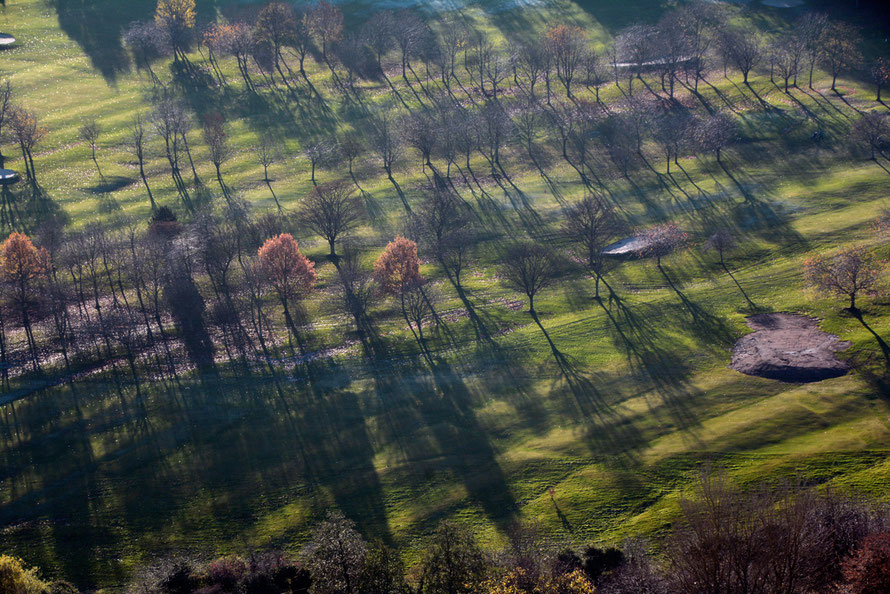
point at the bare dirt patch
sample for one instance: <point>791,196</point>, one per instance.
<point>789,348</point>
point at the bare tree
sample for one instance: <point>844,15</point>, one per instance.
<point>673,133</point>
<point>420,132</point>
<point>591,225</point>
<point>388,145</point>
<point>167,121</point>
<point>6,108</point>
<point>147,43</point>
<point>741,48</point>
<point>138,146</point>
<point>28,132</point>
<point>377,33</point>
<point>810,30</point>
<point>786,55</point>
<point>673,49</point>
<point>880,74</point>
<point>530,60</point>
<point>320,153</point>
<point>635,46</point>
<point>661,240</point>
<point>275,26</point>
<point>89,133</point>
<point>267,153</point>
<point>217,139</point>
<point>529,268</point>
<point>871,130</point>
<point>331,211</point>
<point>714,133</point>
<point>722,240</point>
<point>595,73</point>
<point>351,148</point>
<point>409,34</point>
<point>444,226</point>
<point>840,49</point>
<point>698,21</point>
<point>325,22</point>
<point>849,273</point>
<point>568,46</point>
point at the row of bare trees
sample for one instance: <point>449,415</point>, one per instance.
<point>680,49</point>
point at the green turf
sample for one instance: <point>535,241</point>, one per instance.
<point>593,435</point>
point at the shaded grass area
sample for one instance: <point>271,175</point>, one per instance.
<point>613,406</point>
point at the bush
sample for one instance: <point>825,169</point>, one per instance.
<point>867,570</point>
<point>15,579</point>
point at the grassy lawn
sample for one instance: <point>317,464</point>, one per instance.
<point>592,424</point>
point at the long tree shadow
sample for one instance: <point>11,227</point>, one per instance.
<point>885,349</point>
<point>445,436</point>
<point>611,434</point>
<point>707,326</point>
<point>651,356</point>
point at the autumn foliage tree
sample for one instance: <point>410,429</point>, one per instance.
<point>290,273</point>
<point>849,273</point>
<point>177,19</point>
<point>22,267</point>
<point>397,271</point>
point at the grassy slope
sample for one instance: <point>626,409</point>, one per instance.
<point>616,419</point>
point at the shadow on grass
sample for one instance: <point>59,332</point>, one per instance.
<point>111,183</point>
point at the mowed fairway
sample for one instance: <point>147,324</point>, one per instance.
<point>591,424</point>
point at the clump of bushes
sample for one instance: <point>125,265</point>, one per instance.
<point>267,573</point>
<point>16,578</point>
<point>783,538</point>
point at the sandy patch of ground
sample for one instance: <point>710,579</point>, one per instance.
<point>789,348</point>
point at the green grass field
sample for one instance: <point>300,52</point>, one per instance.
<point>591,425</point>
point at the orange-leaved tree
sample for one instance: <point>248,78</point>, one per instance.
<point>22,267</point>
<point>397,271</point>
<point>290,273</point>
<point>398,267</point>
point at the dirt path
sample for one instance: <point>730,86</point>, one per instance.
<point>789,348</point>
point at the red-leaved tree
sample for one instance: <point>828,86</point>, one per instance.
<point>867,570</point>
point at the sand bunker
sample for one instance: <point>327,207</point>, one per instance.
<point>789,348</point>
<point>630,246</point>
